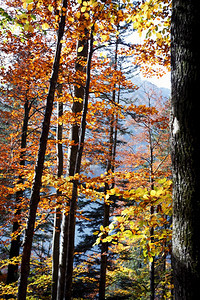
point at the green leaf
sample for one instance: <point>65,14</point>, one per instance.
<point>161,181</point>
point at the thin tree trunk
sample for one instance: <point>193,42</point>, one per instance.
<point>152,263</point>
<point>164,261</point>
<point>106,221</point>
<point>12,274</point>
<point>74,137</point>
<point>73,204</point>
<point>35,193</point>
<point>57,216</point>
<point>104,251</point>
<point>110,167</point>
<point>185,64</point>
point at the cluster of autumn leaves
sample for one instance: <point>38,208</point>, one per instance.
<point>135,171</point>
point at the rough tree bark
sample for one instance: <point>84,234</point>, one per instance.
<point>185,64</point>
<point>35,193</point>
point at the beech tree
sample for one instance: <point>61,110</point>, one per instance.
<point>23,99</point>
<point>57,215</point>
<point>90,111</point>
<point>74,138</point>
<point>35,195</point>
<point>185,64</point>
<point>16,243</point>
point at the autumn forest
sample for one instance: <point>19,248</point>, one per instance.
<point>85,168</point>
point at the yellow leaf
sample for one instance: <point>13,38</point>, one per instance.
<point>158,35</point>
<point>78,14</point>
<point>148,15</point>
<point>40,2</point>
<point>151,259</point>
<point>45,26</point>
<point>30,6</point>
<point>140,33</point>
<point>83,9</point>
<point>153,193</point>
<point>136,25</point>
<point>107,239</point>
<point>103,55</point>
<point>50,8</point>
<point>145,197</point>
<point>107,197</point>
<point>101,228</point>
<point>103,37</point>
<point>161,181</point>
<point>28,27</point>
<point>22,16</point>
<point>97,241</point>
<point>145,7</point>
<point>86,15</point>
<point>71,19</point>
<point>80,48</point>
<point>101,26</point>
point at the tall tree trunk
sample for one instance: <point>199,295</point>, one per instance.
<point>73,203</point>
<point>57,216</point>
<point>110,167</point>
<point>104,251</point>
<point>106,220</point>
<point>35,193</point>
<point>74,138</point>
<point>152,263</point>
<point>185,64</point>
<point>12,275</point>
<point>152,209</point>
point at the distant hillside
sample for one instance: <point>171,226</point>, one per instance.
<point>144,86</point>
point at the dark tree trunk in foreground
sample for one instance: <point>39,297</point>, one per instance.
<point>186,148</point>
<point>35,193</point>
<point>12,275</point>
